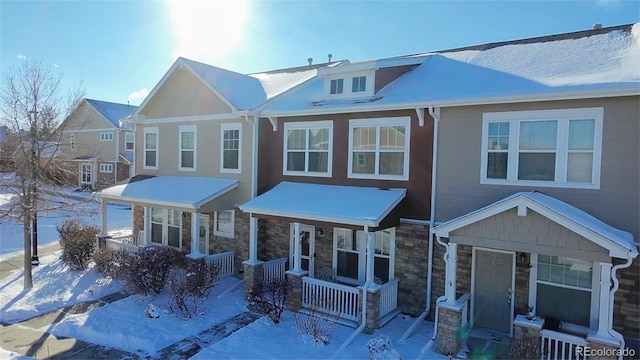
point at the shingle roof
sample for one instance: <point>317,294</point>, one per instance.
<point>113,112</point>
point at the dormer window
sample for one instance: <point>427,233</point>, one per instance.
<point>337,86</point>
<point>359,84</point>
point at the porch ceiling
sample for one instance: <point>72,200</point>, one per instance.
<point>620,244</point>
<point>191,193</point>
<point>352,205</point>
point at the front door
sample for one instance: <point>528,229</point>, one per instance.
<point>204,234</point>
<point>308,237</point>
<point>85,174</point>
<point>493,291</point>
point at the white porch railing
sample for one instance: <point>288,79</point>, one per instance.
<point>388,297</point>
<point>463,301</point>
<point>127,239</point>
<point>556,345</point>
<point>274,269</point>
<point>223,261</point>
<point>118,245</point>
<point>330,298</point>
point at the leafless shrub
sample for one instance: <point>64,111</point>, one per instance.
<point>321,326</point>
<point>271,300</point>
<point>525,348</point>
<point>190,287</point>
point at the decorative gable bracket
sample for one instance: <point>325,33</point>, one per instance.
<point>274,122</point>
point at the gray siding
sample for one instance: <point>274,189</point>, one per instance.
<point>617,202</point>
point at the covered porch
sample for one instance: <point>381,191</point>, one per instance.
<point>340,249</point>
<point>175,212</point>
<point>536,269</point>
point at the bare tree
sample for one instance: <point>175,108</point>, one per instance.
<point>33,106</point>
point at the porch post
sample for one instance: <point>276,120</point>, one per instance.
<point>451,277</point>
<point>103,217</point>
<point>253,238</point>
<point>297,247</point>
<point>195,235</point>
<point>147,227</point>
<point>603,311</point>
<point>370,257</point>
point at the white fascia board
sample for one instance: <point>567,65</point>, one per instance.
<point>88,130</point>
<point>444,230</point>
<point>587,94</point>
<point>347,68</point>
<point>329,219</point>
<point>217,194</point>
<point>391,207</point>
<point>167,204</point>
<point>192,118</point>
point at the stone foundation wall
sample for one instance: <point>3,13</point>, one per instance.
<point>626,307</point>
<point>463,277</point>
<point>411,259</point>
<point>449,326</point>
<point>521,295</point>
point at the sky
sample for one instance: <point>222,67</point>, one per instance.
<point>119,50</point>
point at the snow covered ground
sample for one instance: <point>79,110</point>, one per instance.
<point>123,324</point>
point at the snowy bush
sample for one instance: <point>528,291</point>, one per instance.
<point>146,271</point>
<point>380,349</point>
<point>110,263</point>
<point>78,240</point>
<point>271,300</point>
<point>190,287</point>
<point>320,326</point>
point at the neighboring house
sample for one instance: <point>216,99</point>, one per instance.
<point>95,145</point>
<point>195,162</point>
<point>335,181</point>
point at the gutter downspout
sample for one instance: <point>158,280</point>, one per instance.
<point>116,158</point>
<point>431,342</point>
<point>365,289</point>
<point>616,285</point>
<point>435,114</point>
<point>254,155</point>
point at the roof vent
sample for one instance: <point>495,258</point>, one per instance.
<point>597,26</point>
<point>310,60</point>
<point>330,56</point>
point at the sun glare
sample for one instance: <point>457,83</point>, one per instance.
<point>206,30</point>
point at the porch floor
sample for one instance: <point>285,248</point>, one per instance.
<point>485,344</point>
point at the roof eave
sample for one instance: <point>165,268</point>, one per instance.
<point>311,217</point>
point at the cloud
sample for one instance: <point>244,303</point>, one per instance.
<point>22,57</point>
<point>610,4</point>
<point>138,95</point>
<point>55,66</point>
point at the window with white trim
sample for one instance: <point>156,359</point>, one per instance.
<point>564,289</point>
<point>223,223</point>
<point>166,227</point>
<point>129,139</point>
<point>106,168</point>
<point>151,148</point>
<point>188,146</point>
<point>358,84</point>
<point>336,87</point>
<point>106,136</point>
<point>349,255</point>
<point>308,148</point>
<point>379,148</point>
<point>231,143</point>
<point>558,148</point>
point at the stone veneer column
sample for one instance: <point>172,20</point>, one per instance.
<point>607,349</point>
<point>253,276</point>
<point>294,278</point>
<point>373,308</point>
<point>449,329</point>
<point>526,335</point>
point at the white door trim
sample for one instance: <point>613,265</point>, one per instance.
<point>312,242</point>
<point>513,282</point>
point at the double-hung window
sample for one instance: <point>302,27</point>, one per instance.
<point>151,148</point>
<point>308,148</point>
<point>542,148</point>
<point>349,255</point>
<point>231,143</point>
<point>379,148</point>
<point>166,227</point>
<point>224,223</point>
<point>563,289</point>
<point>128,141</point>
<point>188,144</point>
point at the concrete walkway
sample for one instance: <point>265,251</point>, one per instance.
<point>14,263</point>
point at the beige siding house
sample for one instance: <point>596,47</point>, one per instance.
<point>95,147</point>
<point>195,159</point>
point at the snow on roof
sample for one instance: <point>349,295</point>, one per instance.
<point>128,157</point>
<point>181,191</point>
<point>589,226</point>
<point>327,203</point>
<point>113,112</point>
<point>602,60</point>
<point>245,92</point>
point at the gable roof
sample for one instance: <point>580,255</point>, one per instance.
<point>113,112</point>
<point>619,243</point>
<point>239,91</point>
<point>595,63</point>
